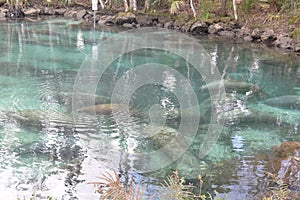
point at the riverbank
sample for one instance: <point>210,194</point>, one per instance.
<point>263,28</point>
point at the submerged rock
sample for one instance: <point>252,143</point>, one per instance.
<point>288,101</point>
<point>183,159</point>
<point>64,151</point>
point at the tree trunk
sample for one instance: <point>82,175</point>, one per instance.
<point>133,5</point>
<point>234,9</point>
<point>147,4</point>
<point>223,8</point>
<point>102,4</point>
<point>193,8</point>
<point>126,5</point>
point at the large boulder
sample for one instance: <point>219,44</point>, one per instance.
<point>199,27</point>
<point>145,20</point>
<point>178,24</point>
<point>49,11</point>
<point>60,11</point>
<point>215,28</point>
<point>256,34</point>
<point>268,35</point>
<point>106,20</point>
<point>80,14</point>
<point>32,12</point>
<point>123,18</point>
<point>3,14</point>
<point>227,34</point>
<point>284,42</point>
<point>69,14</point>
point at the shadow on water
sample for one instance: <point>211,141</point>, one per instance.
<point>50,147</point>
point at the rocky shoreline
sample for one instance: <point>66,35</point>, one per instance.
<point>225,29</point>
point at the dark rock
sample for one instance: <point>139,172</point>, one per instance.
<point>127,25</point>
<point>256,34</point>
<point>297,48</point>
<point>215,28</point>
<point>125,18</point>
<point>16,13</point>
<point>268,36</point>
<point>60,11</point>
<point>160,25</point>
<point>169,25</point>
<point>187,27</point>
<point>145,20</point>
<point>199,27</point>
<point>243,32</point>
<point>106,20</point>
<point>3,14</point>
<point>248,38</point>
<point>227,34</point>
<point>49,11</point>
<point>284,41</point>
<point>178,24</point>
<point>70,14</point>
<point>31,12</point>
<point>80,14</point>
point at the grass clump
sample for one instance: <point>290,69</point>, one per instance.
<point>280,191</point>
<point>173,188</point>
<point>111,187</point>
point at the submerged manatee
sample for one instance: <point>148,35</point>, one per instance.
<point>41,118</point>
<point>288,101</point>
<point>230,85</point>
<point>106,109</point>
<point>84,98</point>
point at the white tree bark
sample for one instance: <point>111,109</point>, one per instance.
<point>133,5</point>
<point>234,9</point>
<point>147,4</point>
<point>102,4</point>
<point>126,5</point>
<point>193,8</point>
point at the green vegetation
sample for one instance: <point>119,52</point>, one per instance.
<point>197,9</point>
<point>174,187</point>
<point>281,191</point>
<point>34,197</point>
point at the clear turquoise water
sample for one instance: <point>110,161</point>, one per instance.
<point>44,152</point>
